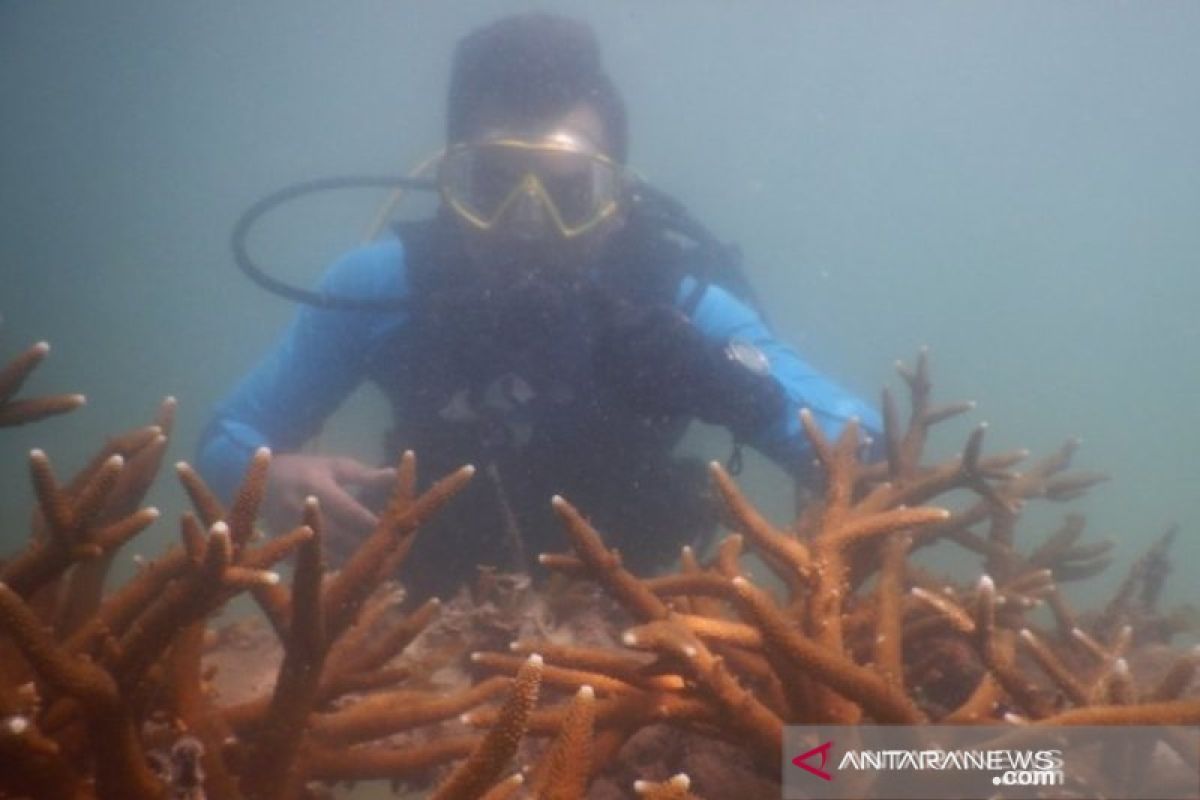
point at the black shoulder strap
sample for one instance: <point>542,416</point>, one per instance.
<point>708,260</point>
<point>643,264</point>
<point>692,301</point>
<point>419,238</point>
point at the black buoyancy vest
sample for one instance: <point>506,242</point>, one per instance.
<point>453,355</point>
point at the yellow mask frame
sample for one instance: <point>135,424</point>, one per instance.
<point>525,190</point>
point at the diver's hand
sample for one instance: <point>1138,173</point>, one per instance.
<point>294,477</point>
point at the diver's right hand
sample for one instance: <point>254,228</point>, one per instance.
<point>293,477</point>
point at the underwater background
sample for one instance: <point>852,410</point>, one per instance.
<point>1015,185</point>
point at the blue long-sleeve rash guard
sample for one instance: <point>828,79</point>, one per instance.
<point>324,355</point>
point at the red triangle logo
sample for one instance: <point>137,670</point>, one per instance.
<point>823,751</point>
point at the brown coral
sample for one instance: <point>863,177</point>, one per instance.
<point>94,688</point>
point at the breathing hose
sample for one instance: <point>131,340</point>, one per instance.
<point>286,290</point>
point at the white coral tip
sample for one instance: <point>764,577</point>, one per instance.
<point>16,724</point>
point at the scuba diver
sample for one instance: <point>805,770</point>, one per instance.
<point>557,323</point>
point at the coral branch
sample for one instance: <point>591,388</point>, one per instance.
<point>564,771</point>
<point>784,548</point>
<point>605,565</point>
<point>483,767</point>
<point>876,697</point>
<point>674,788</point>
<point>350,588</point>
<point>374,763</point>
<point>120,768</point>
<point>386,713</point>
<point>278,773</point>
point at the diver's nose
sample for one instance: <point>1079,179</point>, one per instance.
<point>527,218</point>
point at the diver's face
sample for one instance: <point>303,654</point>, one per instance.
<point>543,206</point>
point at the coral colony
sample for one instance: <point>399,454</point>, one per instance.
<point>598,683</point>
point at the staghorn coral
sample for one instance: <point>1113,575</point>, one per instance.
<point>640,679</point>
<point>858,627</point>
<point>12,378</point>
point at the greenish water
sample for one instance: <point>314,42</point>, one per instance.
<point>1015,185</point>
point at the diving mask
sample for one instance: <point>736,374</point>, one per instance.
<point>524,185</point>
